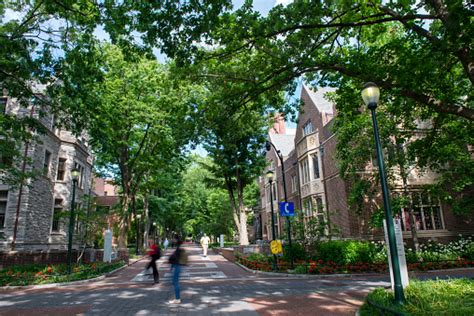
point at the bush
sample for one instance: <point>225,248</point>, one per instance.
<point>469,252</point>
<point>297,250</point>
<point>434,297</point>
<point>259,257</point>
<point>301,269</point>
<point>347,252</point>
<point>45,274</point>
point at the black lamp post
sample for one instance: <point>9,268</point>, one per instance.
<point>370,95</point>
<point>270,181</point>
<point>138,233</point>
<point>74,176</point>
<point>268,146</point>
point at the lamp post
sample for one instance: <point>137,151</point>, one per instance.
<point>154,232</point>
<point>270,181</point>
<point>138,233</point>
<point>74,176</point>
<point>268,146</point>
<point>370,95</point>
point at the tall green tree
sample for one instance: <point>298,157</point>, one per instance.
<point>139,120</point>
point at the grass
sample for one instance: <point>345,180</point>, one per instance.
<point>434,297</point>
<point>46,274</point>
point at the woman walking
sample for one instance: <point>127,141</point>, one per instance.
<point>178,259</point>
<point>154,254</point>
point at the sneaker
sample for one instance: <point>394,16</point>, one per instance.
<point>174,302</point>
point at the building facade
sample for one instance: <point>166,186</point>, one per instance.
<point>34,216</point>
<point>319,193</point>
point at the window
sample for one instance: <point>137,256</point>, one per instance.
<point>315,167</point>
<point>320,210</point>
<point>3,105</point>
<point>3,207</point>
<point>427,211</point>
<point>307,208</point>
<point>58,208</point>
<point>61,169</point>
<point>47,162</point>
<point>77,222</point>
<point>307,128</point>
<point>268,194</point>
<point>294,183</point>
<point>80,180</point>
<point>7,150</point>
<point>274,192</point>
<point>304,170</point>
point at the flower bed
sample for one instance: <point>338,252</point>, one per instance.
<point>45,274</point>
<point>321,267</point>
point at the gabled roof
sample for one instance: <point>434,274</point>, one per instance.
<point>283,142</point>
<point>318,98</point>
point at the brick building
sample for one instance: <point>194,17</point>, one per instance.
<point>320,194</point>
<point>39,208</point>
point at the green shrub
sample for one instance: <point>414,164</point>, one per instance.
<point>434,297</point>
<point>45,274</point>
<point>301,269</point>
<point>297,250</point>
<point>347,252</point>
<point>469,252</point>
<point>259,257</point>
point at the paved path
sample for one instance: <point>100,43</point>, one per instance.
<point>210,286</point>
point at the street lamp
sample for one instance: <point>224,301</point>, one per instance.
<point>154,232</point>
<point>138,233</point>
<point>268,147</point>
<point>74,176</point>
<point>269,175</point>
<point>370,95</point>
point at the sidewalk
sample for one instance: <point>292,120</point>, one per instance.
<point>209,286</point>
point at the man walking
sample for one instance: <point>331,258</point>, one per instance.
<point>177,259</point>
<point>154,254</point>
<point>205,244</point>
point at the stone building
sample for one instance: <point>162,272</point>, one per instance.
<point>321,196</point>
<point>34,216</point>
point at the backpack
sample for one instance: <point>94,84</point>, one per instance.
<point>157,254</point>
<point>173,259</point>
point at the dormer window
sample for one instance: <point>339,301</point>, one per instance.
<point>308,128</point>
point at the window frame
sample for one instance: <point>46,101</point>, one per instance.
<point>58,208</point>
<point>47,162</point>
<point>61,170</point>
<point>316,169</point>
<point>3,216</point>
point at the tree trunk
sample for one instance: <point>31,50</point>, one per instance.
<point>146,219</point>
<point>123,224</point>
<point>243,236</point>
<point>406,195</point>
<point>233,205</point>
<point>414,234</point>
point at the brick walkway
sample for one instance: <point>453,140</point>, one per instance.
<point>210,286</point>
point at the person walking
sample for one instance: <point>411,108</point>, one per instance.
<point>166,243</point>
<point>177,259</point>
<point>205,244</point>
<point>155,254</point>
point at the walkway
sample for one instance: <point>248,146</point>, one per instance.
<point>210,286</point>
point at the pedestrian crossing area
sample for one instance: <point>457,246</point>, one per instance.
<point>199,268</point>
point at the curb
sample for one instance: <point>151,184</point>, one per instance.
<point>62,284</point>
<point>339,275</point>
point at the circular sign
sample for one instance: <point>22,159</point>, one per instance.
<point>275,247</point>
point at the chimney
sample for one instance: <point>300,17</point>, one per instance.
<point>279,126</point>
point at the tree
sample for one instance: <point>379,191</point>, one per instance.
<point>419,53</point>
<point>138,119</point>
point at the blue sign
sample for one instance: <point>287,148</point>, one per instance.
<point>287,209</point>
